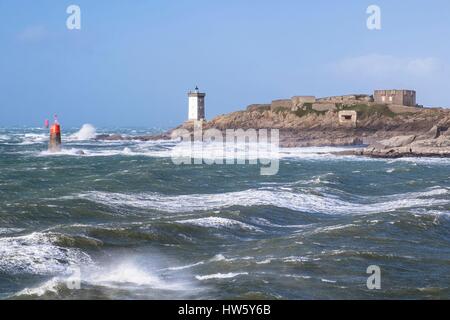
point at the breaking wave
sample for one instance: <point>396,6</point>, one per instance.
<point>121,275</point>
<point>217,222</point>
<point>87,132</point>
<point>38,253</point>
<point>281,198</point>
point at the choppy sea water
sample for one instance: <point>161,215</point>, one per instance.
<point>137,226</point>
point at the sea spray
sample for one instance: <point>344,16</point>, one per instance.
<point>87,132</point>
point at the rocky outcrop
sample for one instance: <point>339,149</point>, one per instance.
<point>434,143</point>
<point>419,132</point>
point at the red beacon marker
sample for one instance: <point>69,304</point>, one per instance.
<point>54,144</point>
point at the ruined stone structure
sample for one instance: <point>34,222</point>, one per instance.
<point>292,104</point>
<point>196,105</point>
<point>282,103</point>
<point>298,101</point>
<point>348,99</point>
<point>324,106</point>
<point>398,97</point>
<point>348,117</point>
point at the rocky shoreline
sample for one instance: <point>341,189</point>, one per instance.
<point>435,143</point>
<point>387,132</point>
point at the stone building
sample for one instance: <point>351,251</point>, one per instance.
<point>196,105</point>
<point>399,97</point>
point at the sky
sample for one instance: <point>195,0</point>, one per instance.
<point>133,62</point>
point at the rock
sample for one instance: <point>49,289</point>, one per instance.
<point>398,141</point>
<point>109,137</point>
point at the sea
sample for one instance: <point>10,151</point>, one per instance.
<point>121,220</point>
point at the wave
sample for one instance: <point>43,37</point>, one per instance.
<point>217,222</point>
<point>10,230</point>
<point>185,266</point>
<point>276,197</point>
<point>220,275</point>
<point>87,132</point>
<point>53,286</point>
<point>33,138</point>
<point>38,253</point>
<point>182,150</point>
<point>129,273</point>
<point>126,275</point>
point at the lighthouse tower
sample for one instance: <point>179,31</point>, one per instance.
<point>196,105</point>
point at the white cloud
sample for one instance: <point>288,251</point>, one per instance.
<point>386,66</point>
<point>32,34</point>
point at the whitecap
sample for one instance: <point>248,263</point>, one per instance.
<point>217,222</point>
<point>304,202</point>
<point>220,275</point>
<point>328,281</point>
<point>38,253</point>
<point>185,266</point>
<point>50,286</point>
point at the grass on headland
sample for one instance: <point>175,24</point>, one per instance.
<point>363,110</point>
<point>366,111</point>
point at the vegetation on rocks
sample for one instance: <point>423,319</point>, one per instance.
<point>365,111</point>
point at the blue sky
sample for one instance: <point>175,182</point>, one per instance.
<point>132,62</point>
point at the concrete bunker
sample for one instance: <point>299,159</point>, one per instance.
<point>348,117</point>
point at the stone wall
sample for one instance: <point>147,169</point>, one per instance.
<point>324,106</point>
<point>351,98</point>
<point>298,101</point>
<point>282,103</point>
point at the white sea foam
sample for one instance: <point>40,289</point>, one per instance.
<point>10,230</point>
<point>50,286</point>
<point>327,281</point>
<point>304,202</point>
<point>38,253</point>
<point>185,266</point>
<point>209,150</point>
<point>217,222</point>
<point>87,132</point>
<point>128,273</point>
<point>174,148</point>
<point>265,261</point>
<point>220,275</point>
<point>121,275</point>
<point>64,152</point>
<point>33,138</point>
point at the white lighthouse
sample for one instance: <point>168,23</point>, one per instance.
<point>196,105</point>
